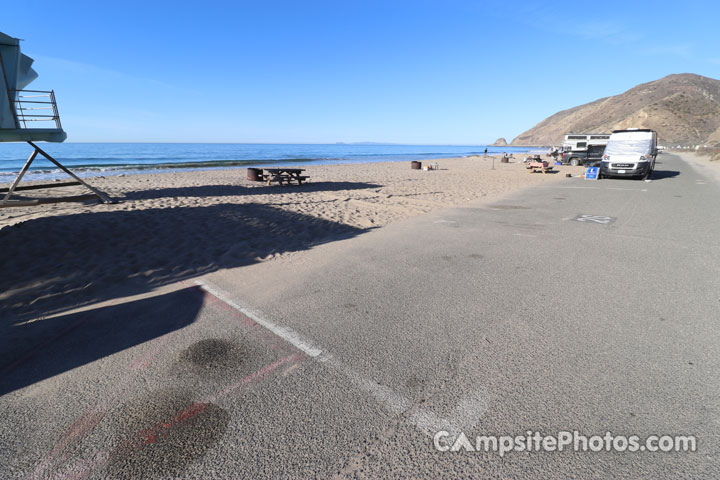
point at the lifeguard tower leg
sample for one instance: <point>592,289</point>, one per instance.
<point>97,192</point>
<point>20,175</point>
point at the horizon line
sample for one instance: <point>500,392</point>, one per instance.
<point>365,144</point>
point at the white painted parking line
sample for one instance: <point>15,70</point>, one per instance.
<point>465,415</point>
<point>285,333</point>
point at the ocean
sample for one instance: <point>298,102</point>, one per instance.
<point>96,159</point>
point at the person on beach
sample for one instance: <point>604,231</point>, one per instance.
<point>485,154</point>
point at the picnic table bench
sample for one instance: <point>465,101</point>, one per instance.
<point>281,175</point>
<point>284,175</point>
<point>541,166</point>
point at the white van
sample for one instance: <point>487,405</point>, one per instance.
<point>630,153</point>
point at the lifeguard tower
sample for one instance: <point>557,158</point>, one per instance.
<point>19,110</point>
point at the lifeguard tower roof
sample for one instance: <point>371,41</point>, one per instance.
<point>24,113</point>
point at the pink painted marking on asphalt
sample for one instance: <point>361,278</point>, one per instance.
<point>253,377</point>
<point>224,306</point>
<point>84,425</point>
<point>268,338</point>
<point>30,353</point>
<point>87,422</point>
<point>77,431</point>
<point>156,347</point>
<point>148,436</point>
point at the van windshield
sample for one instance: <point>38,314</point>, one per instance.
<point>628,147</point>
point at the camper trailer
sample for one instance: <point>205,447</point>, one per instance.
<point>630,153</point>
<point>579,142</point>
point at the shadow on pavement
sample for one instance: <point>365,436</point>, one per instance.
<point>38,350</point>
<point>662,174</point>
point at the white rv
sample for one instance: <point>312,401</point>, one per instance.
<point>630,153</point>
<point>579,142</point>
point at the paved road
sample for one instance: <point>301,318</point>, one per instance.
<point>519,316</point>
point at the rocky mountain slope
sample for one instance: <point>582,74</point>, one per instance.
<point>684,109</point>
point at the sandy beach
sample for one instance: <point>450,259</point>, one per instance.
<point>172,226</point>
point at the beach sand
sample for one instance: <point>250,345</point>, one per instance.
<point>175,226</point>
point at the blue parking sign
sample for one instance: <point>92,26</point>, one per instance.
<point>592,173</point>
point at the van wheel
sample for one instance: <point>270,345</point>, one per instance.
<point>574,162</point>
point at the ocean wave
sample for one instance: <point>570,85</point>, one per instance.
<point>109,167</point>
<point>89,160</point>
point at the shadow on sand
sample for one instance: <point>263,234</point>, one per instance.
<point>35,351</point>
<point>53,263</point>
<point>258,189</point>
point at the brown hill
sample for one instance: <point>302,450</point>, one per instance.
<point>500,142</point>
<point>683,109</point>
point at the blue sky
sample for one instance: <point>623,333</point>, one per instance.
<point>425,72</point>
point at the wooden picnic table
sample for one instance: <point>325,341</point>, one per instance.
<point>284,175</point>
<point>541,166</point>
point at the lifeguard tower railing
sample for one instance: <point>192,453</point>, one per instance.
<point>40,106</point>
<point>36,106</point>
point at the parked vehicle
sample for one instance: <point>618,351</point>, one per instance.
<point>630,153</point>
<point>591,156</point>
<point>578,142</point>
